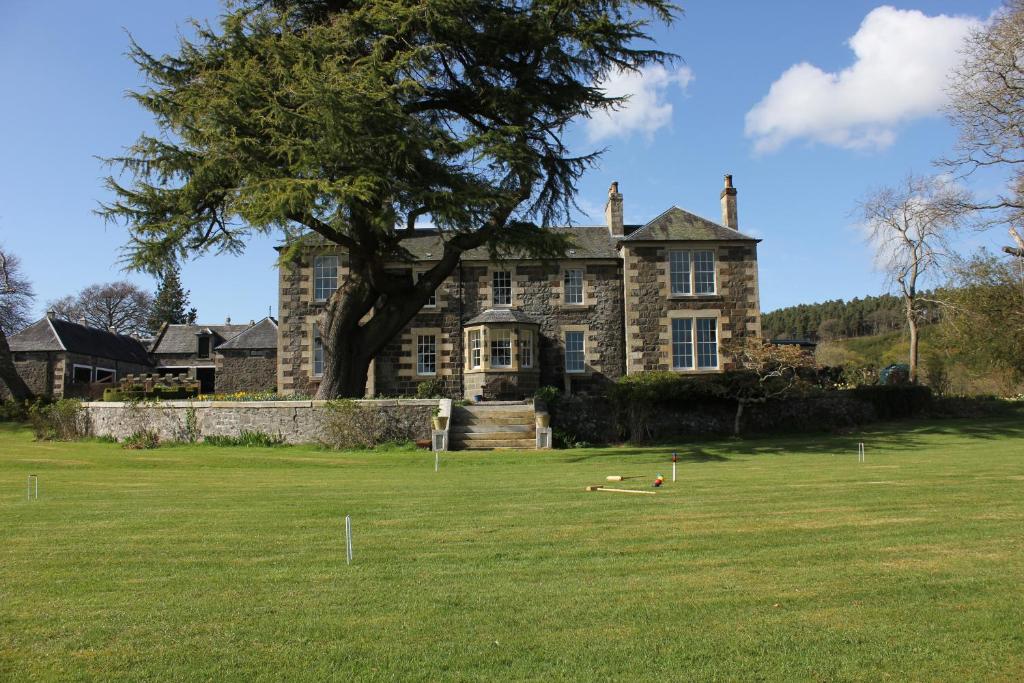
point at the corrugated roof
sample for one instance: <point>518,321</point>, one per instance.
<point>183,338</point>
<point>61,335</point>
<point>679,225</point>
<point>502,315</point>
<point>262,335</point>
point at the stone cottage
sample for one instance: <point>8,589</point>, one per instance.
<point>664,295</point>
<point>224,358</point>
<point>63,359</point>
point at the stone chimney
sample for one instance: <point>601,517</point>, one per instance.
<point>51,315</point>
<point>227,320</point>
<point>613,211</point>
<point>730,219</point>
<point>83,322</point>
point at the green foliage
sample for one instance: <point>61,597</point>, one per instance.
<point>142,439</point>
<point>350,424</point>
<point>63,420</point>
<point>892,402</point>
<point>14,411</point>
<point>431,388</point>
<point>171,304</point>
<point>245,438</point>
<point>840,319</point>
<point>936,373</point>
<point>191,425</point>
<point>986,320</point>
<point>548,395</point>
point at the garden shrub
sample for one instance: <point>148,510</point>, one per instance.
<point>895,401</point>
<point>247,439</point>
<point>431,388</point>
<point>14,411</point>
<point>64,420</point>
<point>141,439</point>
<point>351,425</point>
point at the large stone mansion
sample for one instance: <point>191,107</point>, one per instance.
<point>664,295</point>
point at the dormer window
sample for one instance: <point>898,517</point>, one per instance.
<point>204,346</point>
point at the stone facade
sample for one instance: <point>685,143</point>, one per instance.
<point>651,307</point>
<point>246,370</point>
<point>612,291</point>
<point>295,422</point>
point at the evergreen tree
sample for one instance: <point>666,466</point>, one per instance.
<point>348,121</point>
<point>171,304</point>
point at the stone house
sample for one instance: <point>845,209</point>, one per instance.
<point>664,295</point>
<point>63,359</point>
<point>224,358</point>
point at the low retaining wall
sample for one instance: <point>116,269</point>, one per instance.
<point>292,421</point>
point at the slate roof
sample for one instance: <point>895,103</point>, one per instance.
<point>60,335</point>
<point>182,338</point>
<point>262,335</point>
<point>502,315</point>
<point>677,224</point>
<point>588,242</point>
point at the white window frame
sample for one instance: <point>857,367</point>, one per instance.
<point>695,343</point>
<point>96,374</point>
<point>476,349</point>
<point>75,366</point>
<point>525,349</point>
<point>317,352</point>
<point>682,271</point>
<point>575,288</point>
<point>426,348</point>
<point>321,288</point>
<point>582,352</point>
<point>682,344</point>
<point>503,338</point>
<point>494,288</point>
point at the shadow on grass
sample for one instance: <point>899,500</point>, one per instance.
<point>883,436</point>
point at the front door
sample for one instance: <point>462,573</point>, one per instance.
<point>205,377</point>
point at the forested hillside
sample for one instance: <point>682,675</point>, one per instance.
<point>840,319</point>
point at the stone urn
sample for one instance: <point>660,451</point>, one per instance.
<point>440,422</point>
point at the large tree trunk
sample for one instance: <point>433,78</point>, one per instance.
<point>361,319</point>
<point>740,405</point>
<point>9,374</point>
<point>912,326</point>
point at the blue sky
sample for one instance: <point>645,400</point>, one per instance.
<point>802,142</point>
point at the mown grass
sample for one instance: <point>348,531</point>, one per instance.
<point>777,559</point>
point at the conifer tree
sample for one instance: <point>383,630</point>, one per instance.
<point>349,120</point>
<point>171,303</point>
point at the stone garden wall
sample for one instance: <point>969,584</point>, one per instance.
<point>294,422</point>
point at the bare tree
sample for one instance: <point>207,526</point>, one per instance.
<point>987,105</point>
<point>909,227</point>
<point>118,306</point>
<point>15,299</point>
<point>763,371</point>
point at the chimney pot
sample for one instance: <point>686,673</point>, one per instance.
<point>730,216</point>
<point>51,315</point>
<point>83,322</point>
<point>613,211</point>
<point>227,320</point>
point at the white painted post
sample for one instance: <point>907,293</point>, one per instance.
<point>673,473</point>
<point>861,455</point>
<point>32,478</point>
<point>437,461</point>
<point>348,539</point>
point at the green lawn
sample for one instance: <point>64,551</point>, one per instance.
<point>777,559</point>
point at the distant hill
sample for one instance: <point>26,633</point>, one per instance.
<point>839,319</point>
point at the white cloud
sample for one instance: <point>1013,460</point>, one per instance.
<point>903,59</point>
<point>646,110</point>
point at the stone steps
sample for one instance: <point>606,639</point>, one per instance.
<point>497,426</point>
